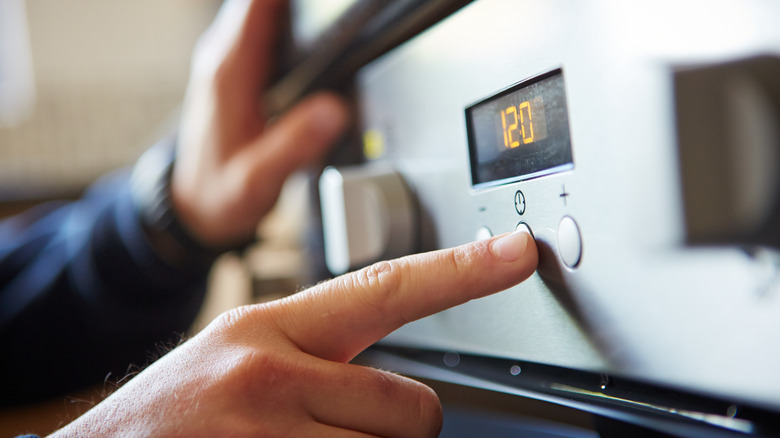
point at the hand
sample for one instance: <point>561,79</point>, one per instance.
<point>281,369</point>
<point>232,161</point>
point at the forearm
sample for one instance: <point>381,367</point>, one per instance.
<point>83,293</point>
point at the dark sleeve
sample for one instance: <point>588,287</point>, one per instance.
<point>82,294</point>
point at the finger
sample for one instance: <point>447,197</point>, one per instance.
<point>258,41</point>
<point>338,319</point>
<point>247,32</point>
<point>236,55</point>
<point>374,401</point>
<point>302,135</point>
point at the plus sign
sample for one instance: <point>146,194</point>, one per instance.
<point>564,194</point>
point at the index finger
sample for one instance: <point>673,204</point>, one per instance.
<point>338,319</point>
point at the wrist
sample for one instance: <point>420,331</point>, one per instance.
<point>169,237</point>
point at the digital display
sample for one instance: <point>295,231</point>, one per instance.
<point>520,133</point>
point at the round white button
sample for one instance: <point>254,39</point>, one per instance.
<point>484,233</point>
<point>522,226</point>
<point>569,242</point>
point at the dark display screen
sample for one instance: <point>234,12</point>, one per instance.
<point>520,133</point>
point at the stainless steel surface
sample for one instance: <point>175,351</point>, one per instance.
<point>640,302</point>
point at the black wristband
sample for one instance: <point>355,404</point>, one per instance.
<point>151,185</point>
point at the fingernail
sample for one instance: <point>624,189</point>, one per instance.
<point>511,247</point>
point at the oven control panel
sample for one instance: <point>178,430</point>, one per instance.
<point>638,142</point>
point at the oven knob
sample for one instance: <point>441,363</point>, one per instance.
<point>367,215</point>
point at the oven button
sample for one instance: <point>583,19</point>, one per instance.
<point>569,242</point>
<point>522,226</point>
<point>483,233</point>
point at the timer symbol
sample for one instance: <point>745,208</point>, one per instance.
<point>520,202</point>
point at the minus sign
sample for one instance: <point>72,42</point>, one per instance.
<point>482,209</point>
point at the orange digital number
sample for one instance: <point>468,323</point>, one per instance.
<point>515,129</point>
<point>528,136</point>
<point>503,125</point>
<point>509,140</point>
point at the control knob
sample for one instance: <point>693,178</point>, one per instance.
<point>367,215</point>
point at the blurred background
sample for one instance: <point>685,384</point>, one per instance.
<point>106,79</point>
<point>85,87</point>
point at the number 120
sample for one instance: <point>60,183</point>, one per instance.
<point>517,125</point>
